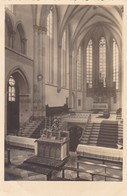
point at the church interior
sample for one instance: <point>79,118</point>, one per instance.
<point>63,92</point>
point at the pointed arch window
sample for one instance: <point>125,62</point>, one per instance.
<point>102,61</point>
<point>89,64</point>
<point>64,60</point>
<point>11,89</point>
<point>115,64</point>
<point>50,23</point>
<point>79,69</point>
<point>50,46</point>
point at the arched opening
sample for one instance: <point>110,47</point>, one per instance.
<point>8,31</point>
<point>12,106</point>
<point>20,39</point>
<point>17,97</point>
<point>75,134</point>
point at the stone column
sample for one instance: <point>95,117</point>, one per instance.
<point>109,71</point>
<point>84,79</point>
<point>75,80</point>
<point>40,74</point>
<point>59,69</point>
<point>43,65</point>
<point>120,80</point>
<point>70,81</point>
<point>35,73</point>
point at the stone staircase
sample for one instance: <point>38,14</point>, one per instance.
<point>31,128</point>
<point>90,134</point>
<point>94,134</point>
<point>86,134</point>
<point>106,135</point>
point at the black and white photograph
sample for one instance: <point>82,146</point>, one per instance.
<point>63,92</point>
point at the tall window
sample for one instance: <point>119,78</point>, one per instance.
<point>11,89</point>
<point>50,45</point>
<point>102,61</point>
<point>64,60</point>
<point>79,69</point>
<point>115,64</point>
<point>89,63</point>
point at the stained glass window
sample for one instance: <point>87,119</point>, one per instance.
<point>79,69</point>
<point>89,63</point>
<point>11,89</point>
<point>115,64</point>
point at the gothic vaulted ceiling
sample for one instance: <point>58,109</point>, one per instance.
<point>85,20</point>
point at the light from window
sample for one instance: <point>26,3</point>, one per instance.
<point>89,63</point>
<point>79,69</point>
<point>49,23</point>
<point>115,64</point>
<point>50,46</point>
<point>102,61</point>
<point>63,60</point>
<point>11,89</point>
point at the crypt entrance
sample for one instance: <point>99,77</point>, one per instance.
<point>75,134</point>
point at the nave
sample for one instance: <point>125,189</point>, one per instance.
<point>63,92</point>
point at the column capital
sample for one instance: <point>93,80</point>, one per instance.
<point>42,30</point>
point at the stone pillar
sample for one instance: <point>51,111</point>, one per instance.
<point>40,74</point>
<point>120,86</point>
<point>35,73</point>
<point>39,71</point>
<point>75,77</point>
<point>70,81</point>
<point>43,65</point>
<point>109,71</point>
<point>84,79</point>
<point>59,69</point>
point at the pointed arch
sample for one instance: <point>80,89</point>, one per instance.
<point>20,38</point>
<point>9,29</point>
<point>21,73</point>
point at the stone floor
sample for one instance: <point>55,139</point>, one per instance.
<point>12,173</point>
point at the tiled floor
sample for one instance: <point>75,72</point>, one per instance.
<point>18,156</point>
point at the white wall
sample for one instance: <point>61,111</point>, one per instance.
<point>88,103</point>
<point>55,99</point>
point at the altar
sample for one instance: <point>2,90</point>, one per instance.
<point>52,148</point>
